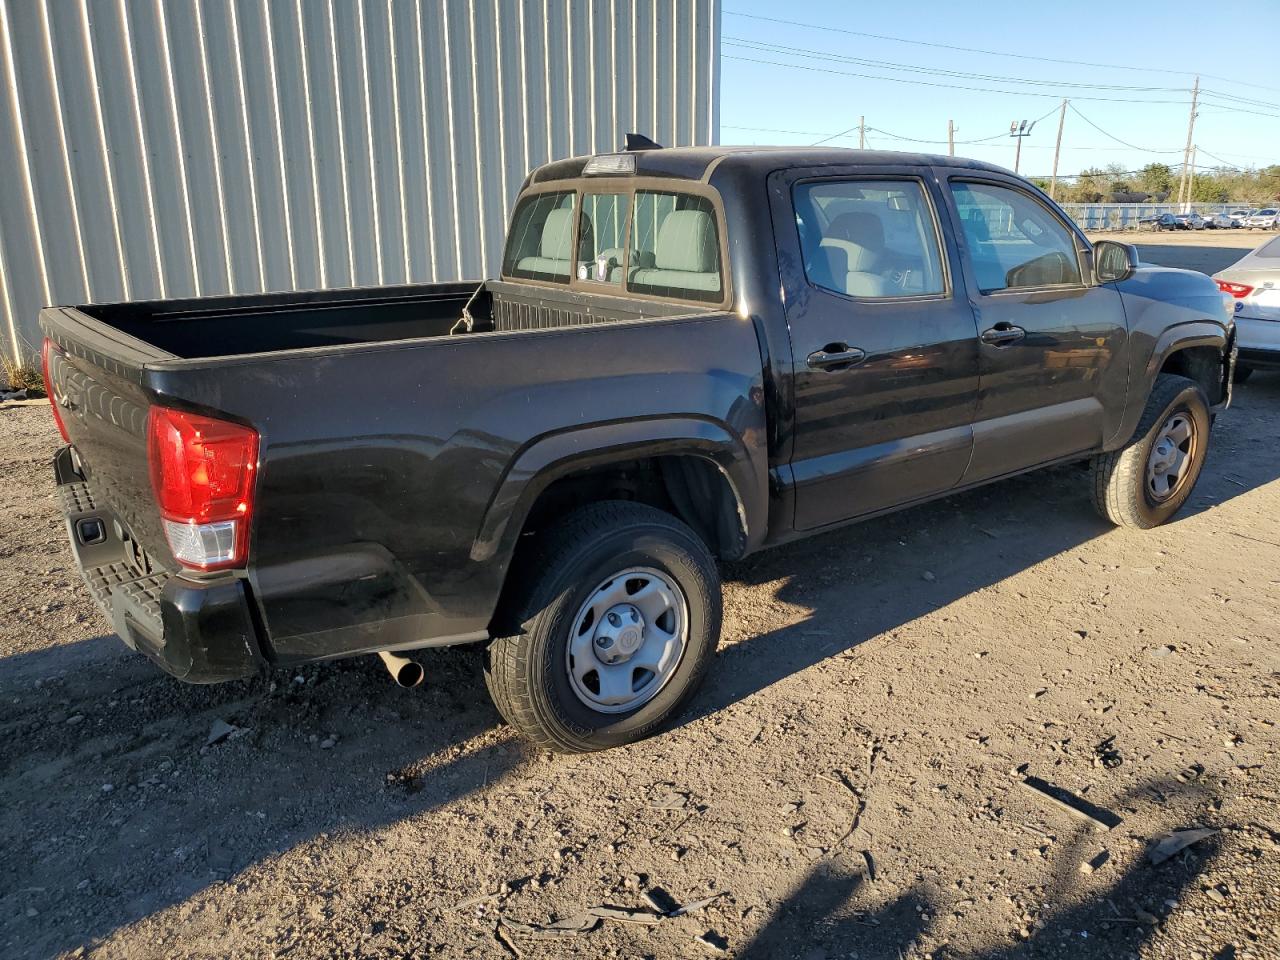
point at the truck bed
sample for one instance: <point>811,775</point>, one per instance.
<point>267,323</point>
<point>395,446</point>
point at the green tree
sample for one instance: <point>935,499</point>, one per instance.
<point>1156,178</point>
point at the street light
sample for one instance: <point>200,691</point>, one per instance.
<point>1019,129</point>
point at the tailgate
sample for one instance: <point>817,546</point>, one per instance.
<point>95,376</point>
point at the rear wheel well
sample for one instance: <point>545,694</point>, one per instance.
<point>690,487</point>
<point>1201,364</point>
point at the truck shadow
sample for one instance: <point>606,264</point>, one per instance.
<point>871,578</point>
<point>1098,916</point>
<point>115,806</point>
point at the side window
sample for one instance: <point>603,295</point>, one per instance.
<point>675,247</point>
<point>540,243</point>
<point>602,236</point>
<point>869,238</point>
<point>1014,242</point>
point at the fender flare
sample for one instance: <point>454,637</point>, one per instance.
<point>1183,336</point>
<point>1195,333</point>
<point>553,456</point>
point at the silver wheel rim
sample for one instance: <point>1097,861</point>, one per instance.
<point>1172,457</point>
<point>626,640</point>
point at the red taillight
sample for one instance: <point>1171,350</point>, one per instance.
<point>1237,290</point>
<point>202,473</point>
<point>48,386</point>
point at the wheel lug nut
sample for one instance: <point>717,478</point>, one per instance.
<point>615,620</point>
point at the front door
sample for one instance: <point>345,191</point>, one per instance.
<point>1052,341</point>
<point>885,369</point>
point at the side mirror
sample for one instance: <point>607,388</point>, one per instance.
<point>1114,261</point>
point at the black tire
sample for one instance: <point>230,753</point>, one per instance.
<point>1242,373</point>
<point>1120,490</point>
<point>527,672</point>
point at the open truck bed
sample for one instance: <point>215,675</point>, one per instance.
<point>390,423</point>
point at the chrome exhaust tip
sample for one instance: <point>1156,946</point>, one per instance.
<point>405,672</point>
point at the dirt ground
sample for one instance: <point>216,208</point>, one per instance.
<point>847,785</point>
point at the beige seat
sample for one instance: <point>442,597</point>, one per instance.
<point>851,254</point>
<point>556,247</point>
<point>685,257</point>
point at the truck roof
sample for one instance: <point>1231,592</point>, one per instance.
<point>696,163</point>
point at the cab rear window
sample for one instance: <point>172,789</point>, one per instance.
<point>675,247</point>
<point>540,243</point>
<point>654,243</point>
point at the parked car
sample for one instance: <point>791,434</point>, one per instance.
<point>1160,221</point>
<point>666,371</point>
<point>1265,219</point>
<point>1253,283</point>
<point>1190,221</point>
<point>1220,221</point>
<point>1239,216</point>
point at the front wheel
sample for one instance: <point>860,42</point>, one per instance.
<point>1146,482</point>
<point>613,628</point>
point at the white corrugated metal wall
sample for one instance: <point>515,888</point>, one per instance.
<point>163,148</point>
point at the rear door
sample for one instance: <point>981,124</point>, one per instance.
<point>1052,342</point>
<point>885,368</point>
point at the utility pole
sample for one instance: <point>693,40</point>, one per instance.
<point>1018,130</point>
<point>1191,180</point>
<point>1184,185</point>
<point>951,138</point>
<point>862,133</point>
<point>1053,180</point>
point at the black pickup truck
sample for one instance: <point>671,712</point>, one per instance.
<point>689,354</point>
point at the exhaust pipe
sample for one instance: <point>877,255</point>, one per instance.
<point>405,672</point>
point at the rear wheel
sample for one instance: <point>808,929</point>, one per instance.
<point>618,618</point>
<point>1146,482</point>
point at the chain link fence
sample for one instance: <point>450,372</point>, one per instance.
<point>1125,216</point>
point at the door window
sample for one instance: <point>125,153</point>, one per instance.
<point>869,238</point>
<point>1014,241</point>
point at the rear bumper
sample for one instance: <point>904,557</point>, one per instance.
<point>1260,359</point>
<point>198,631</point>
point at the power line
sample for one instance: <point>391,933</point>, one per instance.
<point>927,83</point>
<point>1233,109</point>
<point>1219,159</point>
<point>828,28</point>
<point>787,50</point>
<point>894,136</point>
<point>1112,136</point>
<point>1251,101</point>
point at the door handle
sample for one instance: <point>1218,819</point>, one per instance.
<point>1003,334</point>
<point>836,356</point>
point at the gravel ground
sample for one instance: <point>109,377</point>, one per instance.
<point>847,783</point>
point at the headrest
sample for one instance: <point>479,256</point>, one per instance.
<point>864,229</point>
<point>687,241</point>
<point>557,235</point>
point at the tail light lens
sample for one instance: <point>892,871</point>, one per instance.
<point>48,385</point>
<point>202,473</point>
<point>1237,290</point>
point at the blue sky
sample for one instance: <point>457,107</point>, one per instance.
<point>820,97</point>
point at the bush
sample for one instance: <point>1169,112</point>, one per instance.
<point>23,374</point>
